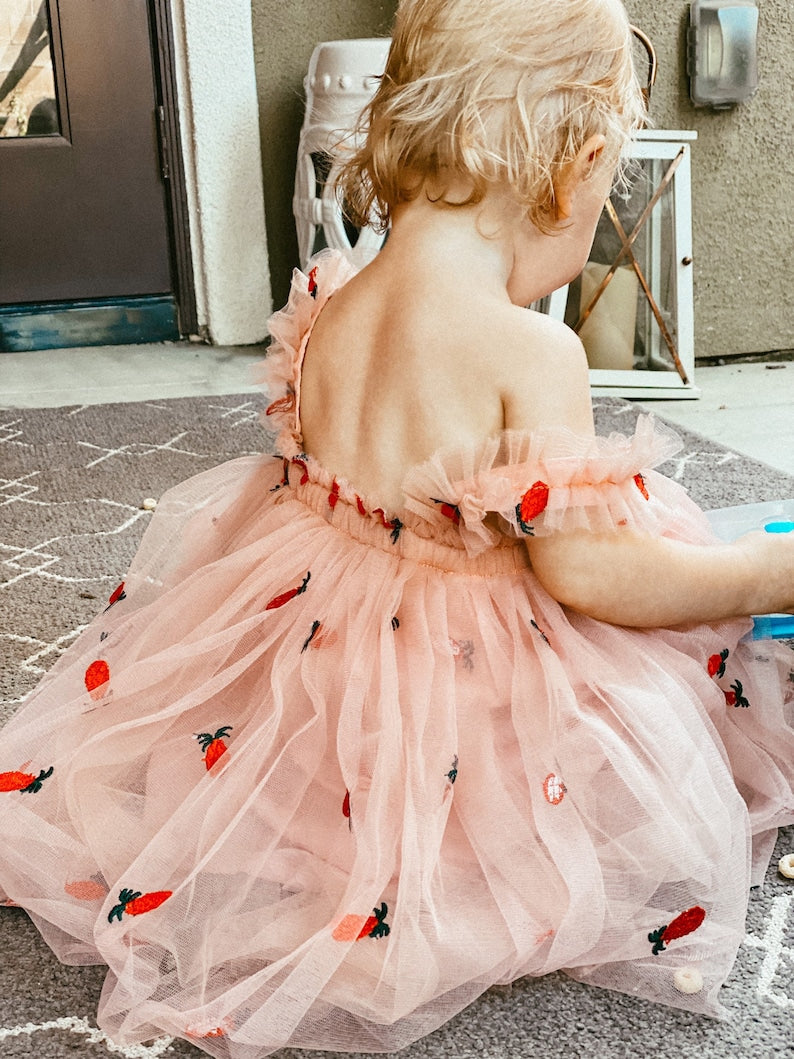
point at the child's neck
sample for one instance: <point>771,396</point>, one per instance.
<point>451,237</point>
<point>489,242</point>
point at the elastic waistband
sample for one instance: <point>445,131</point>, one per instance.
<point>407,541</point>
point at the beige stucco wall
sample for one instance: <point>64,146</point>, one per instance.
<point>285,33</point>
<point>743,162</point>
<point>743,184</point>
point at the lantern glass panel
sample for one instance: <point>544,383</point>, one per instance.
<point>620,330</point>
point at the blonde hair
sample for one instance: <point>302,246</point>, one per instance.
<point>492,91</point>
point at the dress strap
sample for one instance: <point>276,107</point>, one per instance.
<point>290,329</point>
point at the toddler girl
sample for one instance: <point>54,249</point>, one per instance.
<point>452,691</point>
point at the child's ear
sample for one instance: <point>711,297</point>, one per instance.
<point>574,173</point>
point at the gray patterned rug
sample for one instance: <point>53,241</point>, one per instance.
<point>72,483</point>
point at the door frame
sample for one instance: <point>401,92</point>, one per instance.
<point>172,163</point>
<point>221,142</point>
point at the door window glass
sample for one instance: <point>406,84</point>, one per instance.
<point>28,103</point>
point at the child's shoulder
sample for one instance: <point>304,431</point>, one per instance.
<point>543,372</point>
<point>539,335</point>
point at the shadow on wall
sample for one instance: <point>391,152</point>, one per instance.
<point>284,37</point>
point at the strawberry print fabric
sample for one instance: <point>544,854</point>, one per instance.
<point>325,772</point>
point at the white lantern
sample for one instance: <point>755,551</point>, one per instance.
<point>632,306</point>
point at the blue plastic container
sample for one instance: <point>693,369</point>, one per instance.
<point>775,516</point>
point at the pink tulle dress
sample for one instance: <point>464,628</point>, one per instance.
<point>322,773</point>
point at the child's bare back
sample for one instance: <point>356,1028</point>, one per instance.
<point>424,350</point>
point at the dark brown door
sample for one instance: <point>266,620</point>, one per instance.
<point>83,210</point>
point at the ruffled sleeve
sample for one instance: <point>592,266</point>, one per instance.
<point>290,329</point>
<point>524,484</point>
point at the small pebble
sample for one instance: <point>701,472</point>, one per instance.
<point>149,504</point>
<point>786,866</point>
<point>688,980</point>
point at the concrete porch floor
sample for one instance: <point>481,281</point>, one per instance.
<point>748,407</point>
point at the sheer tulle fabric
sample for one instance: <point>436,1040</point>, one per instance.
<point>323,773</point>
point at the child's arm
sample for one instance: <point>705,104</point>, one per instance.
<point>629,578</point>
<point>626,577</point>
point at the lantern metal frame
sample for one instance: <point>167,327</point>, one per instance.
<point>668,343</point>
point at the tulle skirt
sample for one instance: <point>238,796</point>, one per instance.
<point>316,780</point>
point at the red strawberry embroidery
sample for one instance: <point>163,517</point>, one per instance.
<point>540,631</point>
<point>313,282</point>
<point>201,1035</point>
<point>97,677</point>
<point>735,697</point>
<point>316,626</point>
<point>134,903</point>
<point>354,928</point>
<point>116,597</point>
<point>197,1034</point>
<point>682,925</point>
<point>376,925</point>
<point>285,597</point>
<point>24,782</point>
<point>319,637</point>
<point>450,511</point>
<point>93,889</point>
<point>395,525</point>
<point>716,665</point>
<point>285,475</point>
<point>463,652</point>
<point>304,469</point>
<point>281,404</point>
<point>639,481</point>
<point>390,524</point>
<point>213,744</point>
<point>554,790</point>
<point>533,502</point>
<point>333,496</point>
